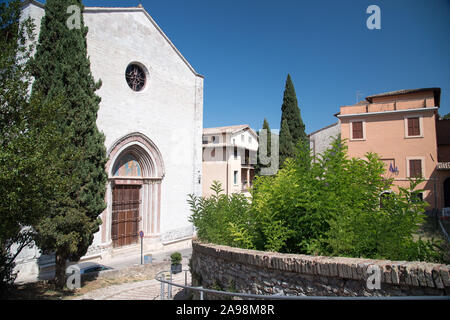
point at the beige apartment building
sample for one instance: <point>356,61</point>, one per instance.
<point>403,128</point>
<point>228,157</point>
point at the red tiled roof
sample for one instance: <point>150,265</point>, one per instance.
<point>437,93</point>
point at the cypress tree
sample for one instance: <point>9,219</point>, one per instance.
<point>61,67</point>
<point>269,136</point>
<point>287,148</point>
<point>291,113</point>
<point>268,146</point>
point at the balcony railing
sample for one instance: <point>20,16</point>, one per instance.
<point>397,105</point>
<point>443,166</point>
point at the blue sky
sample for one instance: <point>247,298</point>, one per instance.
<point>246,48</point>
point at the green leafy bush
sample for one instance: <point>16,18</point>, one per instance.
<point>331,205</point>
<point>223,219</point>
<point>175,258</point>
<point>326,205</point>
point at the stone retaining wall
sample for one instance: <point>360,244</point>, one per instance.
<point>232,269</point>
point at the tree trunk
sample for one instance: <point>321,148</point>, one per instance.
<point>60,271</point>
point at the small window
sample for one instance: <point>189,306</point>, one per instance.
<point>357,130</point>
<point>415,168</point>
<point>249,139</point>
<point>413,127</point>
<point>235,177</point>
<point>235,153</point>
<point>242,137</point>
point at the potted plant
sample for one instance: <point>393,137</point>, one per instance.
<point>175,260</point>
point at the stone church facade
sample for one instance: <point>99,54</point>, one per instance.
<point>152,116</point>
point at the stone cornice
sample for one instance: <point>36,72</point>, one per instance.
<point>363,114</point>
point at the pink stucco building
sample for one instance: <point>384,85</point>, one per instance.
<point>403,128</point>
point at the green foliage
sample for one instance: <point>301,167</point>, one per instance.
<point>326,205</point>
<point>30,145</point>
<point>444,117</point>
<point>287,147</point>
<point>258,164</point>
<point>331,206</point>
<point>62,69</point>
<point>269,137</point>
<point>385,231</point>
<point>291,113</point>
<point>222,219</point>
<point>175,258</point>
<point>292,128</point>
<point>287,202</point>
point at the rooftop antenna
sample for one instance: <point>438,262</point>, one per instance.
<point>358,94</point>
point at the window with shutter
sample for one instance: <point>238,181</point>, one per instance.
<point>415,168</point>
<point>413,127</point>
<point>357,130</point>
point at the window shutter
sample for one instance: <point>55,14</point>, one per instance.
<point>416,127</point>
<point>415,168</point>
<point>357,128</point>
<point>413,127</point>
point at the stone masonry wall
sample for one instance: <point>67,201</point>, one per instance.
<point>321,140</point>
<point>232,269</point>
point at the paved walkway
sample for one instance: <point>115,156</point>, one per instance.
<point>119,262</point>
<point>142,290</point>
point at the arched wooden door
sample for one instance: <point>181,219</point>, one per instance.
<point>125,215</point>
<point>136,170</point>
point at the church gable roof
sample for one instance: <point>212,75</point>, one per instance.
<point>138,9</point>
<point>229,129</point>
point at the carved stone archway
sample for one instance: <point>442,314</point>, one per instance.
<point>134,160</point>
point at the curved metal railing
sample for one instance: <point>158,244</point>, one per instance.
<point>160,277</point>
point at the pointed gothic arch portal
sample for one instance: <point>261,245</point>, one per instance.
<point>136,171</point>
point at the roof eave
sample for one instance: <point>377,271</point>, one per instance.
<point>436,92</point>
